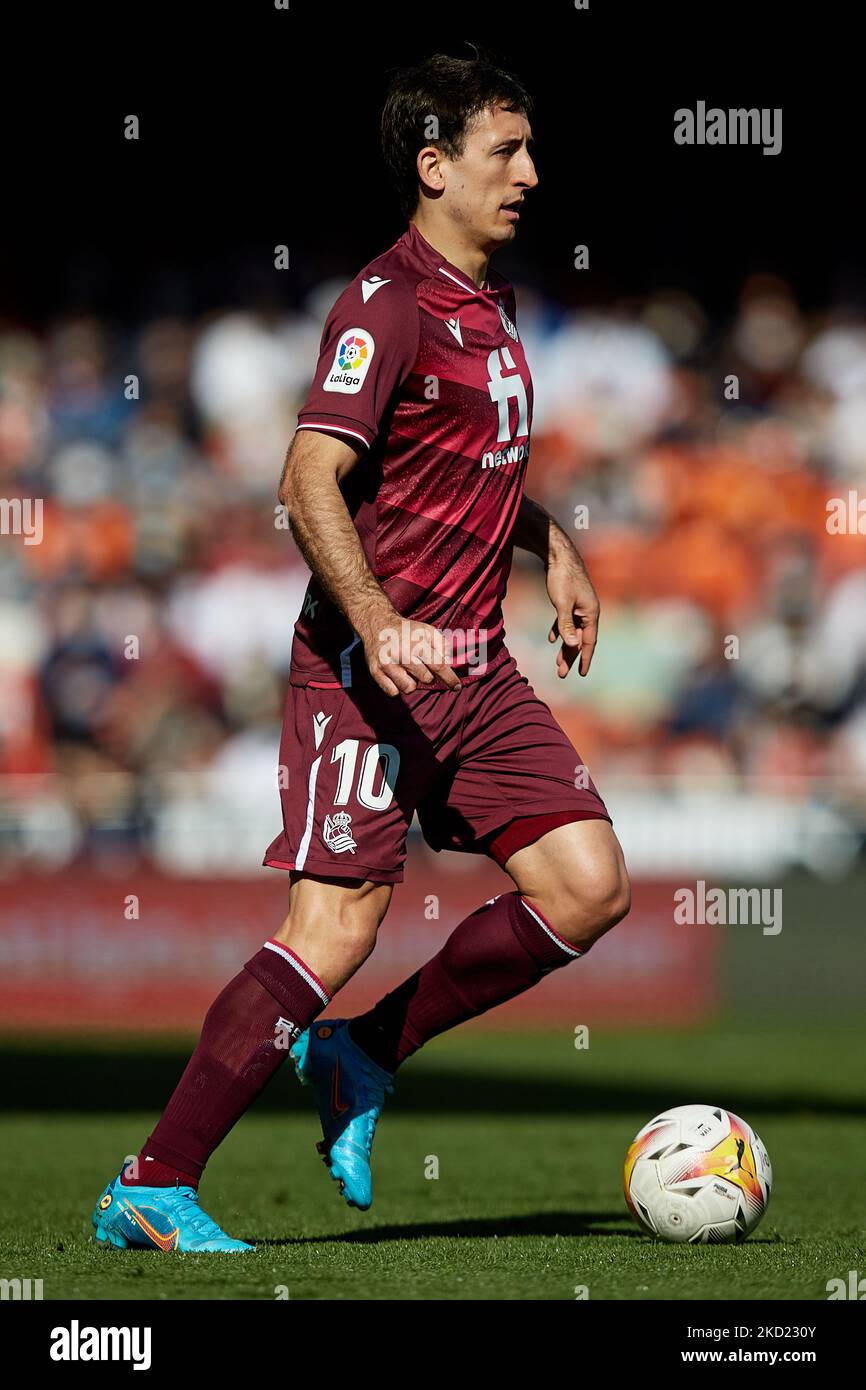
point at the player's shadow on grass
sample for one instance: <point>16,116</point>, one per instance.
<point>44,1077</point>
<point>543,1223</point>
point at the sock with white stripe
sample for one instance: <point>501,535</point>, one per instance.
<point>245,1038</point>
<point>499,951</point>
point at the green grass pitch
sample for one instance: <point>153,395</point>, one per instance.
<point>528,1133</point>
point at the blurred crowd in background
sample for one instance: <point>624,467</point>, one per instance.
<point>145,642</point>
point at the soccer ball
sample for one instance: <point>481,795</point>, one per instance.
<point>698,1173</point>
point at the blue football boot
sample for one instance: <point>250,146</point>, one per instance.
<point>350,1091</point>
<point>158,1218</point>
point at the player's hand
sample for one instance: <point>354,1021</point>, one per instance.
<point>402,654</point>
<point>577,612</point>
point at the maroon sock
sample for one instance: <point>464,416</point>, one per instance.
<point>502,949</point>
<point>246,1036</point>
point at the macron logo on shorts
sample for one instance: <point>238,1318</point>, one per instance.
<point>351,361</point>
<point>320,724</point>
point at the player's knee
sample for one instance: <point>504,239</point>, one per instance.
<point>355,927</point>
<point>349,927</point>
<point>592,907</point>
<point>606,900</point>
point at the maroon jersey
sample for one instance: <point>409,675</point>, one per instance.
<point>427,372</point>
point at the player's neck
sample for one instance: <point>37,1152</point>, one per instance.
<point>469,259</point>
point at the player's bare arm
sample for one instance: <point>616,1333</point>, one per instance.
<point>568,585</point>
<point>310,491</point>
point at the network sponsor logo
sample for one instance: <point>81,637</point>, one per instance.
<point>504,385</point>
<point>515,453</point>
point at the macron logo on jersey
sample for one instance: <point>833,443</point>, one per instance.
<point>453,326</point>
<point>351,361</point>
<point>369,287</point>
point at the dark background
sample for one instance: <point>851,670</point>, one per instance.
<point>253,134</point>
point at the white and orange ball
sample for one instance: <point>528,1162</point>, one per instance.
<point>698,1174</point>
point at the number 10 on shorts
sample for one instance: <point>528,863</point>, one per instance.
<point>346,754</point>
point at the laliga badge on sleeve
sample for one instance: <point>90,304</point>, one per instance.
<point>351,361</point>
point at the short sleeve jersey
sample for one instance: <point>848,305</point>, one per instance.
<point>426,371</point>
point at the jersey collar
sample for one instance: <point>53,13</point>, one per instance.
<point>437,263</point>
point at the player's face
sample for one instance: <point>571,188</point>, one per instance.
<point>485,186</point>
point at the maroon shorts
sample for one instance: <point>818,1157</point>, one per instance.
<point>356,764</point>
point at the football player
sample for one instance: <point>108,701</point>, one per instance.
<point>404,486</point>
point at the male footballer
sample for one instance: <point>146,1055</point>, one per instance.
<point>404,489</point>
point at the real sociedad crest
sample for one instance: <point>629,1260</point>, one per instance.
<point>506,323</point>
<point>336,833</point>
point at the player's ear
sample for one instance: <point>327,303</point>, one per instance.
<point>430,171</point>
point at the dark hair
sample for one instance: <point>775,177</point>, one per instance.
<point>455,91</point>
